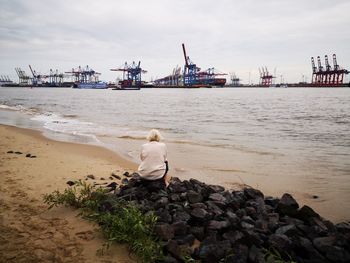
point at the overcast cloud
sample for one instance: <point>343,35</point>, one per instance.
<point>232,36</point>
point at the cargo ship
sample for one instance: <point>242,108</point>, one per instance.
<point>90,85</point>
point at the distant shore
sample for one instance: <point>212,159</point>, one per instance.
<point>31,232</point>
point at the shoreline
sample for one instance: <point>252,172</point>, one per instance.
<point>236,179</point>
<point>30,231</point>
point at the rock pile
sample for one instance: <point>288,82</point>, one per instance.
<point>209,224</point>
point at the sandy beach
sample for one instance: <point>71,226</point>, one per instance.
<point>29,231</point>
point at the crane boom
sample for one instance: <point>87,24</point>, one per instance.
<point>185,55</point>
<point>32,70</point>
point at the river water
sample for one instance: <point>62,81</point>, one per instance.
<point>277,140</point>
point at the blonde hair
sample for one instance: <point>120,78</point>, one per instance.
<point>154,135</point>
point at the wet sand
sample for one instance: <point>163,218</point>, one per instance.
<point>29,231</point>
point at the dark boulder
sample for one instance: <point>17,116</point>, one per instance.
<point>163,216</point>
<point>288,230</point>
<point>127,174</point>
<point>194,197</point>
<point>164,231</point>
<point>239,254</point>
<point>213,252</point>
<point>217,197</point>
<point>90,176</point>
<point>252,193</point>
<point>181,216</point>
<point>200,214</point>
<point>256,255</point>
<point>188,239</point>
<point>178,251</point>
<point>233,236</point>
<point>280,242</point>
<point>169,259</point>
<point>70,183</point>
<point>215,188</point>
<point>217,225</point>
<point>125,181</point>
<point>324,244</point>
<point>287,205</point>
<point>180,228</point>
<point>198,232</point>
<point>271,201</point>
<point>306,212</point>
<point>116,176</point>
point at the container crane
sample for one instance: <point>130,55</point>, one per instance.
<point>327,76</point>
<point>190,70</point>
<point>131,75</point>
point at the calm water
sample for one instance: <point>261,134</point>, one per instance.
<point>279,140</point>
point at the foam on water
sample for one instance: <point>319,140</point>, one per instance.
<point>57,123</point>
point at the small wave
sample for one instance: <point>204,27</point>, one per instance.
<point>70,116</point>
<point>131,137</point>
<point>225,170</point>
<point>6,107</point>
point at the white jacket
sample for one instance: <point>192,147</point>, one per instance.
<point>153,156</point>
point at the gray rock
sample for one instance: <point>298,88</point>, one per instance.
<point>213,208</point>
<point>217,225</point>
<point>198,205</point>
<point>217,197</point>
<point>288,230</point>
<point>246,225</point>
<point>216,188</point>
<point>232,218</point>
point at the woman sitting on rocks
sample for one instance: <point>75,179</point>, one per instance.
<point>154,164</point>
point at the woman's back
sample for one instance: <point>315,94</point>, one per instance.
<point>153,157</point>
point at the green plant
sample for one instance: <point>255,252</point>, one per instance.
<point>122,223</point>
<point>81,195</point>
<point>273,256</point>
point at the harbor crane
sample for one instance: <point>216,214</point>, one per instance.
<point>190,70</point>
<point>84,75</point>
<point>265,77</point>
<point>327,76</point>
<point>131,75</point>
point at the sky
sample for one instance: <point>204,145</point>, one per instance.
<point>229,35</point>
